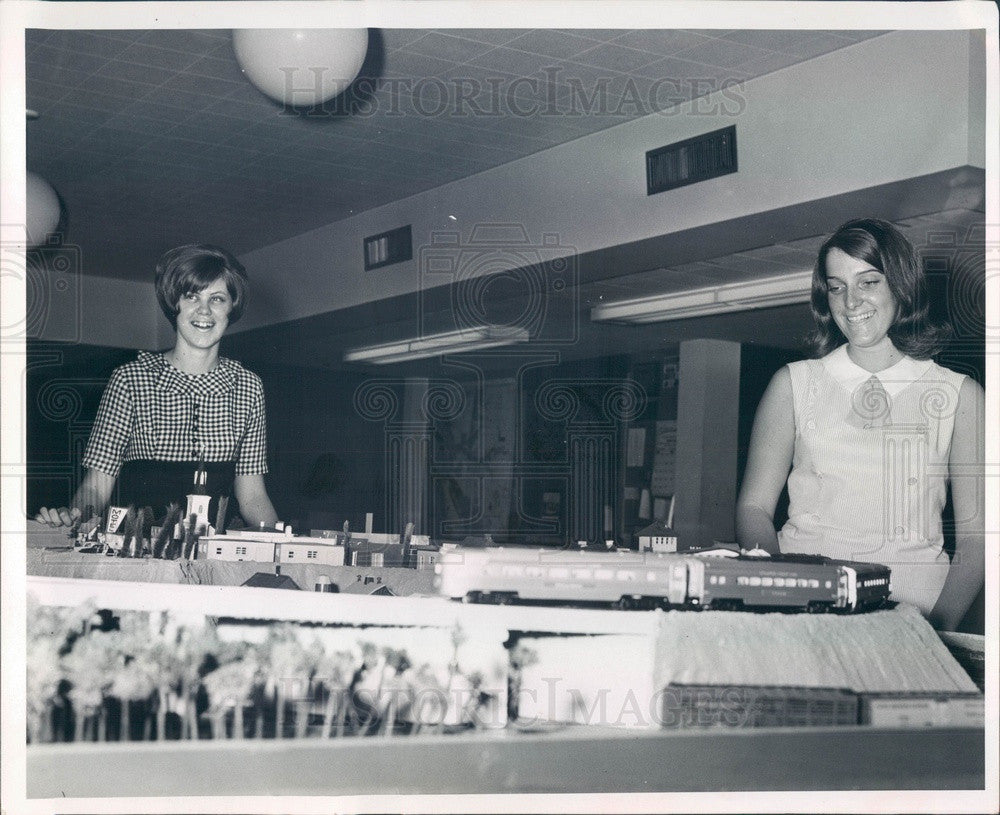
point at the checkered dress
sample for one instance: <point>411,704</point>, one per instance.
<point>151,410</point>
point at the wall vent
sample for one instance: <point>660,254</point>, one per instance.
<point>692,160</point>
<point>389,247</point>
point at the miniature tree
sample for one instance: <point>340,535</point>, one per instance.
<point>44,673</point>
<point>430,700</point>
<point>51,631</point>
<point>286,666</point>
<point>134,677</point>
<point>366,686</point>
<point>195,645</point>
<point>334,672</point>
<point>229,688</point>
<point>90,667</point>
<point>394,698</point>
<point>312,658</point>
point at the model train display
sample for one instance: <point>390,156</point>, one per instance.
<point>632,580</point>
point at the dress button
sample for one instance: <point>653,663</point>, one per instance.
<point>911,481</point>
<point>811,425</point>
<point>899,530</point>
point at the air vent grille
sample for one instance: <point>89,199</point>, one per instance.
<point>387,248</point>
<point>692,160</point>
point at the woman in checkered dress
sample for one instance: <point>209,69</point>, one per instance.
<point>164,413</point>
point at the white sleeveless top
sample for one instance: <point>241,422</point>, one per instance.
<point>870,467</point>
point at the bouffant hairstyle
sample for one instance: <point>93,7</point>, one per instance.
<point>191,268</point>
<point>885,248</point>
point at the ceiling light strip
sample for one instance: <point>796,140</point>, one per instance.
<point>450,342</point>
<point>761,293</point>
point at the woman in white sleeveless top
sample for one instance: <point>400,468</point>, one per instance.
<point>873,432</point>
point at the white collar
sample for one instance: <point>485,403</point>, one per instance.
<point>894,379</point>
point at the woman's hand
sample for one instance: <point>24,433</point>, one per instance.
<point>255,505</point>
<point>68,517</point>
<point>93,495</point>
<point>59,516</point>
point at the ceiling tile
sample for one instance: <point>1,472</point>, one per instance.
<point>615,57</point>
<point>553,44</point>
<point>511,61</point>
<point>765,65</point>
<point>679,74</point>
<point>103,86</point>
<point>183,100</point>
<point>784,40</point>
<point>94,43</point>
<point>209,86</point>
<point>448,47</point>
<point>46,60</point>
<point>54,135</point>
<point>393,38</point>
<point>151,107</point>
<point>858,35</point>
<point>158,57</point>
<point>117,69</point>
<point>723,53</point>
<point>189,41</point>
<point>222,67</point>
<point>414,67</point>
<point>33,37</point>
<point>661,41</point>
<point>237,109</point>
<point>133,124</point>
<point>822,43</point>
<point>88,106</point>
<point>36,89</point>
<point>595,34</point>
<point>492,36</point>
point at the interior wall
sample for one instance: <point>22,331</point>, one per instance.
<point>977,98</point>
<point>65,305</point>
<point>889,108</point>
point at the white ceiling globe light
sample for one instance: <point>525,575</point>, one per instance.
<point>43,209</point>
<point>301,67</point>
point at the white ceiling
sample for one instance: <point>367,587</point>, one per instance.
<point>155,138</point>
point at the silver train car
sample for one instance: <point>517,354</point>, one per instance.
<point>632,580</point>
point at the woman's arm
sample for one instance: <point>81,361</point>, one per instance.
<point>966,467</point>
<point>772,442</point>
<point>255,505</point>
<point>91,498</point>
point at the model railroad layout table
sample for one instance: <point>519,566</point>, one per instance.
<point>587,698</point>
<point>586,718</point>
<point>572,760</point>
<point>50,554</point>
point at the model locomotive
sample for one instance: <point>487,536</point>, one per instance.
<point>631,580</point>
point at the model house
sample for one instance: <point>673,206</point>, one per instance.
<point>657,538</point>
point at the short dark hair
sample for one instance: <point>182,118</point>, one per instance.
<point>191,268</point>
<point>884,247</point>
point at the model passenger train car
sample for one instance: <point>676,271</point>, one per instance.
<point>648,580</point>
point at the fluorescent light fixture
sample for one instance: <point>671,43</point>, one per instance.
<point>449,342</point>
<point>763,292</point>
